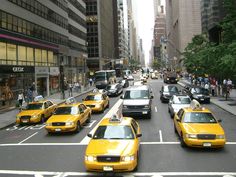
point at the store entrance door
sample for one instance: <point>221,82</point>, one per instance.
<point>42,86</point>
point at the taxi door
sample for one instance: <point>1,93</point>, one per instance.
<point>178,120</point>
<point>82,114</point>
<point>46,109</point>
<point>105,98</point>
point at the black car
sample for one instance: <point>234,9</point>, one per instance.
<point>198,93</point>
<point>167,91</point>
<point>137,101</point>
<point>124,83</point>
<point>114,89</point>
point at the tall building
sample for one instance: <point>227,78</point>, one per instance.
<point>183,22</point>
<point>212,12</point>
<point>38,39</point>
<point>101,33</point>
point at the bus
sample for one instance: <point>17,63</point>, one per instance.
<point>104,77</point>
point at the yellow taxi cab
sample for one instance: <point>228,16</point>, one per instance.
<point>97,101</point>
<point>114,146</point>
<point>197,127</point>
<point>68,117</point>
<point>36,112</point>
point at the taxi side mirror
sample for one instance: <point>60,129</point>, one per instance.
<point>139,135</point>
<point>177,119</point>
<point>219,120</point>
<point>89,135</point>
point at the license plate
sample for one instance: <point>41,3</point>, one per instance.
<point>57,129</point>
<point>206,144</point>
<point>145,112</point>
<point>202,99</point>
<point>107,168</point>
<point>25,121</point>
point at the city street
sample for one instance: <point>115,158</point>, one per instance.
<point>30,151</point>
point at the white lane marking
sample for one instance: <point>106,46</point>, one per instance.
<point>64,174</point>
<point>82,144</point>
<point>155,108</point>
<point>113,110</point>
<point>28,138</point>
<point>160,133</point>
<point>90,124</point>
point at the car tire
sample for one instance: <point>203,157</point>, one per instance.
<point>175,129</point>
<point>89,119</point>
<point>182,143</point>
<point>108,105</point>
<point>136,168</point>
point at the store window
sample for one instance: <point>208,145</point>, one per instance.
<point>38,57</point>
<point>21,53</point>
<point>3,20</point>
<point>9,22</point>
<point>50,57</point>
<point>30,56</point>
<point>11,54</point>
<point>3,51</point>
<point>44,57</point>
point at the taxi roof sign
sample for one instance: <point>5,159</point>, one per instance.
<point>38,98</point>
<point>70,100</point>
<point>195,105</point>
<point>115,118</point>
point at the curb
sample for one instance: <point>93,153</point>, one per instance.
<point>11,124</point>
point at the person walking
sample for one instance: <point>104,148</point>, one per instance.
<point>70,89</point>
<point>20,100</point>
<point>90,82</point>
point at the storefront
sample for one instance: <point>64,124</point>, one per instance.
<point>14,79</point>
<point>42,80</point>
<point>54,80</point>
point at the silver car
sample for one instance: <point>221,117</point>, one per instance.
<point>177,102</point>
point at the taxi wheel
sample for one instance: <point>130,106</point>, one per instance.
<point>89,119</point>
<point>182,143</point>
<point>78,128</point>
<point>102,111</point>
<point>175,129</point>
<point>136,168</point>
<point>108,105</point>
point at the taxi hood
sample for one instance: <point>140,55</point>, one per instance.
<point>30,112</point>
<point>110,147</point>
<point>203,128</point>
<point>61,118</point>
<point>93,102</point>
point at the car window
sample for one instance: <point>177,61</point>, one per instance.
<point>135,126</point>
<point>66,110</point>
<point>136,94</point>
<point>49,103</point>
<point>180,113</point>
<point>113,132</point>
<point>182,100</point>
<point>83,107</point>
<point>93,98</point>
<point>81,110</point>
<point>34,106</point>
<point>199,117</point>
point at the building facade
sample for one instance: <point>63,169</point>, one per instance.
<point>100,33</point>
<point>183,22</point>
<point>37,37</point>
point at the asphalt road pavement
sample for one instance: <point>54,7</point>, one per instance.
<point>30,151</point>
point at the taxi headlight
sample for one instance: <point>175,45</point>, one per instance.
<point>192,136</point>
<point>35,116</point>
<point>48,124</point>
<point>18,117</point>
<point>127,158</point>
<point>69,123</point>
<point>97,105</point>
<point>167,78</point>
<point>220,136</point>
<point>90,158</point>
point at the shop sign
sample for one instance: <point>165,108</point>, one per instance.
<point>41,70</point>
<point>54,71</point>
<point>16,69</point>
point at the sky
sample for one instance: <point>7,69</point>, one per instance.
<point>145,23</point>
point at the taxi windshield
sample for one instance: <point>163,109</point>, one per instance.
<point>66,110</point>
<point>199,117</point>
<point>34,106</point>
<point>136,94</point>
<point>93,98</point>
<point>113,132</point>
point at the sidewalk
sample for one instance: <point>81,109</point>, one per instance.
<point>229,105</point>
<point>8,118</point>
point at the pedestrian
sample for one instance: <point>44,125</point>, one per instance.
<point>20,99</point>
<point>70,89</point>
<point>29,95</point>
<point>207,87</point>
<point>90,82</point>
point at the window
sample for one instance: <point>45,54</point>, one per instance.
<point>50,57</point>
<point>11,52</point>
<point>21,53</point>
<point>44,56</point>
<point>9,22</point>
<point>38,56</point>
<point>30,54</point>
<point>3,50</point>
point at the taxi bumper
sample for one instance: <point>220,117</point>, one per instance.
<point>217,143</point>
<point>58,129</point>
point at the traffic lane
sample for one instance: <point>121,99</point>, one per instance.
<point>160,126</point>
<point>18,133</point>
<point>153,158</point>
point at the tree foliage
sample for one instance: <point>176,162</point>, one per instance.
<point>203,57</point>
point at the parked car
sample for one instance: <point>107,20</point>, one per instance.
<point>167,91</point>
<point>137,101</point>
<point>177,102</point>
<point>114,89</point>
<point>198,93</point>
